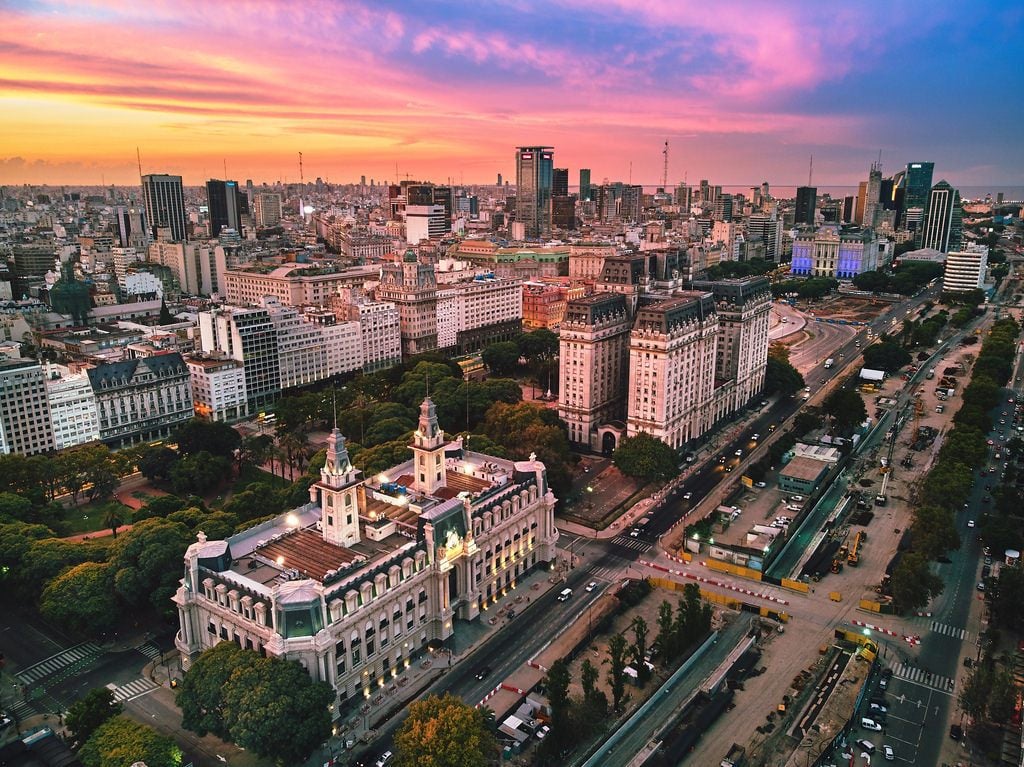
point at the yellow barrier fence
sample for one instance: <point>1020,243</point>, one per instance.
<point>868,604</point>
<point>789,583</point>
<point>737,570</point>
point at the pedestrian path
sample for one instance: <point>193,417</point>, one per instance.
<point>951,631</point>
<point>608,573</point>
<point>59,661</point>
<point>922,677</point>
<point>132,690</point>
<point>150,650</point>
<point>631,543</point>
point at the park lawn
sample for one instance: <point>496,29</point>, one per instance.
<point>88,518</point>
<point>250,474</point>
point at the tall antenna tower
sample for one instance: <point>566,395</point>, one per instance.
<point>139,158</point>
<point>810,173</point>
<point>225,161</point>
<point>302,179</point>
<point>664,170</point>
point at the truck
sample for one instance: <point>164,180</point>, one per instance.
<point>736,757</point>
<point>829,362</point>
<point>930,373</point>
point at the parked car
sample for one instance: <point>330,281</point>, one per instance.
<point>890,755</point>
<point>866,745</point>
<point>687,495</point>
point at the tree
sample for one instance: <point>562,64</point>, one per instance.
<point>617,649</point>
<point>588,679</point>
<point>666,639</point>
<point>557,683</point>
<point>444,732</point>
<point>14,508</point>
<point>781,378</point>
<point>86,714</point>
<point>146,563</point>
<point>501,358</point>
<point>935,531</point>
<point>639,648</point>
<point>266,697</point>
<point>81,600</point>
<point>646,457</point>
<point>1005,595</point>
<point>913,583</point>
<point>156,463</point>
<point>199,473</point>
<point>165,314</point>
<point>213,437</point>
<point>886,356</point>
<point>236,694</point>
<point>120,742</point>
<point>112,519</point>
<point>846,408</point>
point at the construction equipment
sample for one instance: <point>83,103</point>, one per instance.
<point>853,558</point>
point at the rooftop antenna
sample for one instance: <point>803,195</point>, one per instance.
<point>810,173</point>
<point>302,178</point>
<point>225,161</point>
<point>664,170</point>
<point>630,172</point>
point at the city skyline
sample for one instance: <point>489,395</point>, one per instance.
<point>741,92</point>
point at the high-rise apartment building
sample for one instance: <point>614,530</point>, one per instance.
<point>73,411</point>
<point>267,209</point>
<point>226,204</point>
<point>165,207</point>
<point>130,225</point>
<point>379,328</point>
<point>943,219</point>
<point>723,208</point>
<point>474,313</point>
<point>248,336</point>
<point>806,205</point>
<point>585,184</point>
<point>534,177</point>
<point>25,424</point>
<point>741,353</point>
<point>412,287</point>
<point>766,229</point>
<point>672,351</point>
<point>140,400</point>
<point>218,387</point>
<point>424,222</point>
<point>593,360</point>
<point>560,182</point>
<point>965,269</point>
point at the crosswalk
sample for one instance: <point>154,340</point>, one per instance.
<point>59,661</point>
<point>922,677</point>
<point>951,631</point>
<point>631,543</point>
<point>150,650</point>
<point>132,690</point>
<point>606,572</point>
<point>21,710</point>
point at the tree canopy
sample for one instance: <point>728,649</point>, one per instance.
<point>444,732</point>
<point>81,599</point>
<point>88,713</point>
<point>121,742</point>
<point>846,408</point>
<point>645,457</point>
<point>887,356</point>
<point>250,700</point>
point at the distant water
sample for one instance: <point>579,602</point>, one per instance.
<point>789,192</point>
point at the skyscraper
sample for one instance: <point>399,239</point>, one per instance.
<point>165,206</point>
<point>534,172</point>
<point>584,184</point>
<point>225,205</point>
<point>560,182</point>
<point>918,184</point>
<point>806,203</point>
<point>873,196</point>
<point>943,222</point>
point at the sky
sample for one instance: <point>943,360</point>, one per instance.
<point>742,91</point>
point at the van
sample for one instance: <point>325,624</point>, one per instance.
<point>870,724</point>
<point>564,595</point>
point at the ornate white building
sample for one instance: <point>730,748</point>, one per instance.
<point>355,584</point>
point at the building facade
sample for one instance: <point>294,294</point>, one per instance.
<point>248,336</point>
<point>474,313</point>
<point>965,269</point>
<point>143,399</point>
<point>412,287</point>
<point>379,328</point>
<point>672,353</point>
<point>293,284</point>
<point>593,359</point>
<point>943,219</point>
<point>25,423</point>
<point>831,252</point>
<point>218,388</point>
<point>73,410</point>
<point>534,178</point>
<point>424,222</point>
<point>356,584</point>
<point>165,207</point>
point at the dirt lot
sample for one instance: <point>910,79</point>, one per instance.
<point>852,308</point>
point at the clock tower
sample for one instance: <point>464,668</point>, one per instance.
<point>428,451</point>
<point>337,494</point>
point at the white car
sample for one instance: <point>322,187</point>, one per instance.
<point>687,495</point>
<point>970,523</point>
<point>890,755</point>
<point>385,759</point>
<point>543,732</point>
<point>760,484</point>
<point>592,585</point>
